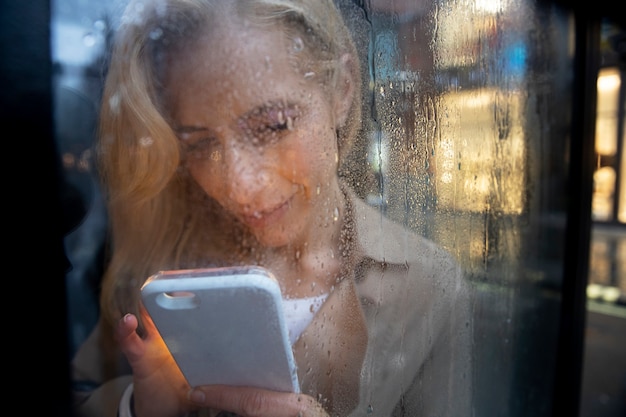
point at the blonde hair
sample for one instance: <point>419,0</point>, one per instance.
<point>155,220</point>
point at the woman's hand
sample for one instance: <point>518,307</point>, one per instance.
<point>160,390</point>
<point>254,402</point>
<point>333,347</point>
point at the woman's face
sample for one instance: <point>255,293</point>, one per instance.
<point>258,136</point>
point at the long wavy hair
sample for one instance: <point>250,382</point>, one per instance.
<point>155,219</point>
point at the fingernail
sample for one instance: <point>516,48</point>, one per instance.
<point>126,317</point>
<point>196,396</point>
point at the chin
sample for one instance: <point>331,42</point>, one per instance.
<point>274,238</point>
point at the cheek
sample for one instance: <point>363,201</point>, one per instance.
<point>294,164</point>
<point>207,178</point>
<point>312,160</point>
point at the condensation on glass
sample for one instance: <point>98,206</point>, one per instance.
<point>470,149</point>
<point>467,118</point>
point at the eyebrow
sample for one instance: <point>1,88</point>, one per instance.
<point>247,115</point>
<point>269,105</point>
<point>189,129</point>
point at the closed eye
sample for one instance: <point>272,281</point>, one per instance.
<point>199,147</point>
<point>267,124</point>
<point>287,124</point>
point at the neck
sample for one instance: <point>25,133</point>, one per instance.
<point>311,265</point>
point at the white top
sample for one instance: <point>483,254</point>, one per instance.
<point>299,313</point>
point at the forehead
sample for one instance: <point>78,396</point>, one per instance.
<point>233,68</point>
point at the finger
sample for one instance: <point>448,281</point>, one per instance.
<point>254,402</point>
<point>130,343</point>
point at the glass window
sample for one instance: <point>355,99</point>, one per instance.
<point>399,167</point>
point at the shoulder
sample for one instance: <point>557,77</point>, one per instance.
<point>389,242</point>
<point>415,299</point>
<point>398,264</point>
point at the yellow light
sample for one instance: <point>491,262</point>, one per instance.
<point>609,81</point>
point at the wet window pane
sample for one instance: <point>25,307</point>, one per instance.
<point>403,177</point>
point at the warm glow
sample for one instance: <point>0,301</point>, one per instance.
<point>606,144</point>
<point>607,104</point>
<point>609,81</point>
<point>475,167</point>
<point>621,215</point>
<point>490,6</point>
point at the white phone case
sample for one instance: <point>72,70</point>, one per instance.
<point>223,326</point>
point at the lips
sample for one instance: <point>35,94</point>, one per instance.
<point>263,218</point>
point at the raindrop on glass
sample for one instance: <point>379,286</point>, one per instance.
<point>156,34</point>
<point>100,25</point>
<point>298,44</point>
<point>114,103</point>
<point>146,141</point>
<point>89,39</point>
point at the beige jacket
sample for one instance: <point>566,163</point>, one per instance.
<point>416,306</point>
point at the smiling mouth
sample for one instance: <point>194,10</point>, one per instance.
<point>262,218</point>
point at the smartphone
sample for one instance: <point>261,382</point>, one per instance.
<point>223,326</point>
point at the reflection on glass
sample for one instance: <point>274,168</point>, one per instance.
<point>471,151</point>
<point>608,84</point>
<point>621,215</point>
<point>608,87</point>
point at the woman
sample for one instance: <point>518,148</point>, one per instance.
<point>223,128</point>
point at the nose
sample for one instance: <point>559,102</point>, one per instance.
<point>246,174</point>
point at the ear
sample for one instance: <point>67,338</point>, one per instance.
<point>344,89</point>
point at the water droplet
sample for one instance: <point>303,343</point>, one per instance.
<point>370,409</point>
<point>146,141</point>
<point>318,189</point>
<point>89,39</point>
<point>336,214</point>
<point>216,156</point>
<point>114,103</point>
<point>100,25</point>
<point>298,44</point>
<point>156,34</point>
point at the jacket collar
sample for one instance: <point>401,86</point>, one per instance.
<point>377,237</point>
